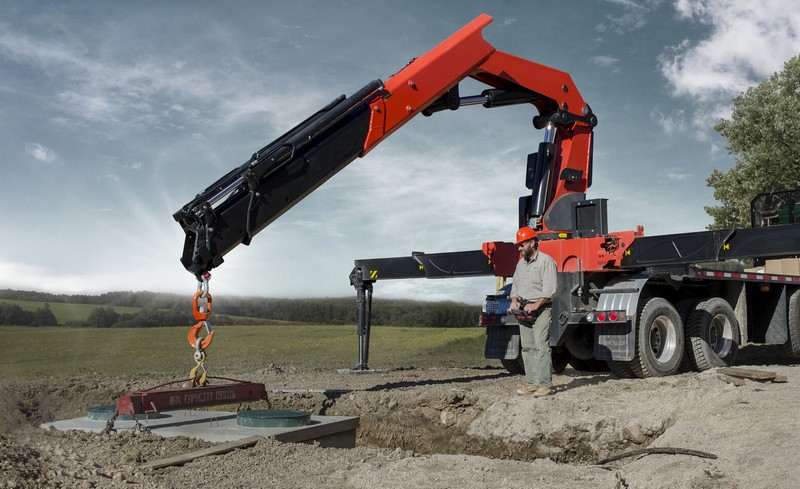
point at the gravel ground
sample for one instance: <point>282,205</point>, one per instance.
<point>438,428</point>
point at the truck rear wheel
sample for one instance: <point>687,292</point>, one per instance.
<point>561,358</point>
<point>516,366</point>
<point>623,370</point>
<point>792,345</point>
<point>589,365</point>
<point>659,340</point>
<point>713,333</point>
<point>684,308</point>
<point>580,343</point>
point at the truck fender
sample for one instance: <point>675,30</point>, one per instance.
<point>618,341</point>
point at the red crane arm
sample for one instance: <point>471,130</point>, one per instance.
<point>240,204</point>
<point>432,76</point>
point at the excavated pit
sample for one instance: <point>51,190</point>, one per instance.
<point>477,414</point>
<point>432,427</point>
<point>457,423</point>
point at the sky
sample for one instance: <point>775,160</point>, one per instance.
<point>116,114</point>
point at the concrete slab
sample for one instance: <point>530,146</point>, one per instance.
<point>220,426</point>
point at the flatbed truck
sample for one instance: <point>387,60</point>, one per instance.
<point>640,306</point>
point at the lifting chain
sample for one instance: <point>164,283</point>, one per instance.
<point>201,306</point>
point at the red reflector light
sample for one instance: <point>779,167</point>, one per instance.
<point>612,316</point>
<point>483,319</point>
<point>601,316</point>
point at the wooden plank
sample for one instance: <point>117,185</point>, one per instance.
<point>312,432</point>
<point>188,457</point>
<point>747,373</point>
<point>738,382</point>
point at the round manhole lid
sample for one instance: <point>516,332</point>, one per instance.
<point>272,418</point>
<point>104,413</point>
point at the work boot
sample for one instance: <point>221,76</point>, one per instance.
<point>528,389</point>
<point>543,391</point>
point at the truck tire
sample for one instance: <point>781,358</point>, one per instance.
<point>684,308</point>
<point>589,365</point>
<point>561,358</point>
<point>516,366</point>
<point>580,343</point>
<point>713,333</point>
<point>659,340</point>
<point>623,370</point>
<point>792,346</point>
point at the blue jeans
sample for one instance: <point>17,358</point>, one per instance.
<point>535,341</point>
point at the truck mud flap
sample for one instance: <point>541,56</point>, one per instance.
<point>618,341</point>
<point>502,342</point>
<point>614,342</point>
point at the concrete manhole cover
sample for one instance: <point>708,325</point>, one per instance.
<point>272,418</point>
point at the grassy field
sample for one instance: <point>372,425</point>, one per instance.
<point>65,312</point>
<point>59,352</point>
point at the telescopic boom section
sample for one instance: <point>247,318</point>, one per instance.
<point>246,200</point>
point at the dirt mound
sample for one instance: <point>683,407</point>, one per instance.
<point>437,428</point>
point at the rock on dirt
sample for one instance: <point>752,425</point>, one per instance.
<point>437,428</point>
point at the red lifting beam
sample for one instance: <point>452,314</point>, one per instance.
<point>158,400</point>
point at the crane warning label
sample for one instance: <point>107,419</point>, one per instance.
<point>199,398</point>
<point>174,399</point>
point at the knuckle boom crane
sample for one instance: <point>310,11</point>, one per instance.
<point>643,306</point>
<point>240,204</point>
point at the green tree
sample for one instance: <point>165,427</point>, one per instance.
<point>14,315</point>
<point>45,317</point>
<point>763,135</point>
<point>102,317</point>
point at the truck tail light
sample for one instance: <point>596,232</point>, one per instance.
<point>606,317</point>
<point>490,319</point>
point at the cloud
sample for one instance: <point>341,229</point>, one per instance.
<point>634,16</point>
<point>24,276</point>
<point>103,86</point>
<point>604,61</point>
<point>747,42</point>
<point>41,153</point>
<point>98,90</point>
<point>672,123</point>
<point>133,165</point>
<point>676,175</point>
<point>108,177</point>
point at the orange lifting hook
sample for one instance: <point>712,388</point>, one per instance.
<point>194,331</point>
<point>198,314</point>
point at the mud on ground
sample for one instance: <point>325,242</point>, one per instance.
<point>438,428</point>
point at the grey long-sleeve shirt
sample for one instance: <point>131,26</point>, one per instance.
<point>536,278</point>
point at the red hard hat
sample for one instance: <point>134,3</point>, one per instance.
<point>524,234</point>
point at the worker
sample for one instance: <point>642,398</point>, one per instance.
<point>533,287</point>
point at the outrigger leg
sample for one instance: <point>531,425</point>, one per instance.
<point>363,317</point>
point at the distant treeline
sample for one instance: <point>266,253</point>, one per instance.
<point>157,309</point>
<point>13,314</point>
<point>123,299</point>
